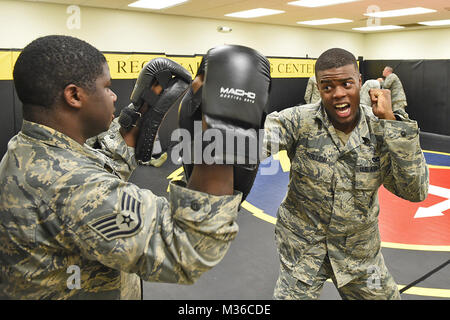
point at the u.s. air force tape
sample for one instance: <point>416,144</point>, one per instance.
<point>120,225</point>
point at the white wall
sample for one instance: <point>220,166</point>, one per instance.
<point>127,31</point>
<point>418,44</point>
<point>120,30</point>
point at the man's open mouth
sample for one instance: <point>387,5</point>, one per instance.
<point>343,109</point>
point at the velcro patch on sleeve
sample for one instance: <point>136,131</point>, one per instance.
<point>120,225</point>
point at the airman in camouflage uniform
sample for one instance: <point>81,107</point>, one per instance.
<point>312,94</point>
<point>71,226</point>
<point>392,82</point>
<point>341,152</point>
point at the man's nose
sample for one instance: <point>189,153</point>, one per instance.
<point>339,92</point>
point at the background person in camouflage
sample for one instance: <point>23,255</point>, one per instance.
<point>312,92</point>
<point>364,95</point>
<point>66,207</point>
<point>341,152</point>
<point>392,82</point>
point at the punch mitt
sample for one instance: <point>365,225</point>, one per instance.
<point>174,80</point>
<point>235,95</point>
<point>237,81</point>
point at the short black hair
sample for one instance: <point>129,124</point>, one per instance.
<point>335,58</point>
<point>48,64</point>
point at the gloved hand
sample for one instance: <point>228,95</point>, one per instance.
<point>232,101</point>
<point>174,80</point>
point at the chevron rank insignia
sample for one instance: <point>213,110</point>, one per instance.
<point>120,225</point>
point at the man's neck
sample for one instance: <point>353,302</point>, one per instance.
<point>59,121</point>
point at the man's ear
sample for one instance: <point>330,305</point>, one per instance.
<point>71,95</point>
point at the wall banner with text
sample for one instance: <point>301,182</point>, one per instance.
<point>128,65</point>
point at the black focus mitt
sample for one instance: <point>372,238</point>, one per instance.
<point>174,80</point>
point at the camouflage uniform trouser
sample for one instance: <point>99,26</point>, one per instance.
<point>289,288</point>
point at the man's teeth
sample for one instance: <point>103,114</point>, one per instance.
<point>341,106</point>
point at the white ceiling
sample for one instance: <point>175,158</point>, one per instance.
<point>216,9</point>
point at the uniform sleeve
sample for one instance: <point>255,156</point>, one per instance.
<point>398,96</point>
<point>309,91</point>
<point>112,145</point>
<point>132,230</point>
<point>316,94</point>
<point>388,82</point>
<point>406,170</point>
<point>364,97</point>
<point>279,130</point>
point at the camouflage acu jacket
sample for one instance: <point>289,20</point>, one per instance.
<point>398,96</point>
<point>312,94</point>
<point>331,206</point>
<point>66,211</point>
<point>364,95</point>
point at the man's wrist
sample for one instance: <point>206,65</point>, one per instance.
<point>389,116</point>
<point>213,179</point>
<point>128,136</point>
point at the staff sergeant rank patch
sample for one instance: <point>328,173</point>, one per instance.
<point>120,225</point>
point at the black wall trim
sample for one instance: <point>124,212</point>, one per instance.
<point>427,88</point>
<point>426,84</point>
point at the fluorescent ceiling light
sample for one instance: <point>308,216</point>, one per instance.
<point>324,21</point>
<point>155,4</point>
<point>399,12</point>
<point>253,13</point>
<point>318,3</point>
<point>436,22</point>
<point>378,28</point>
